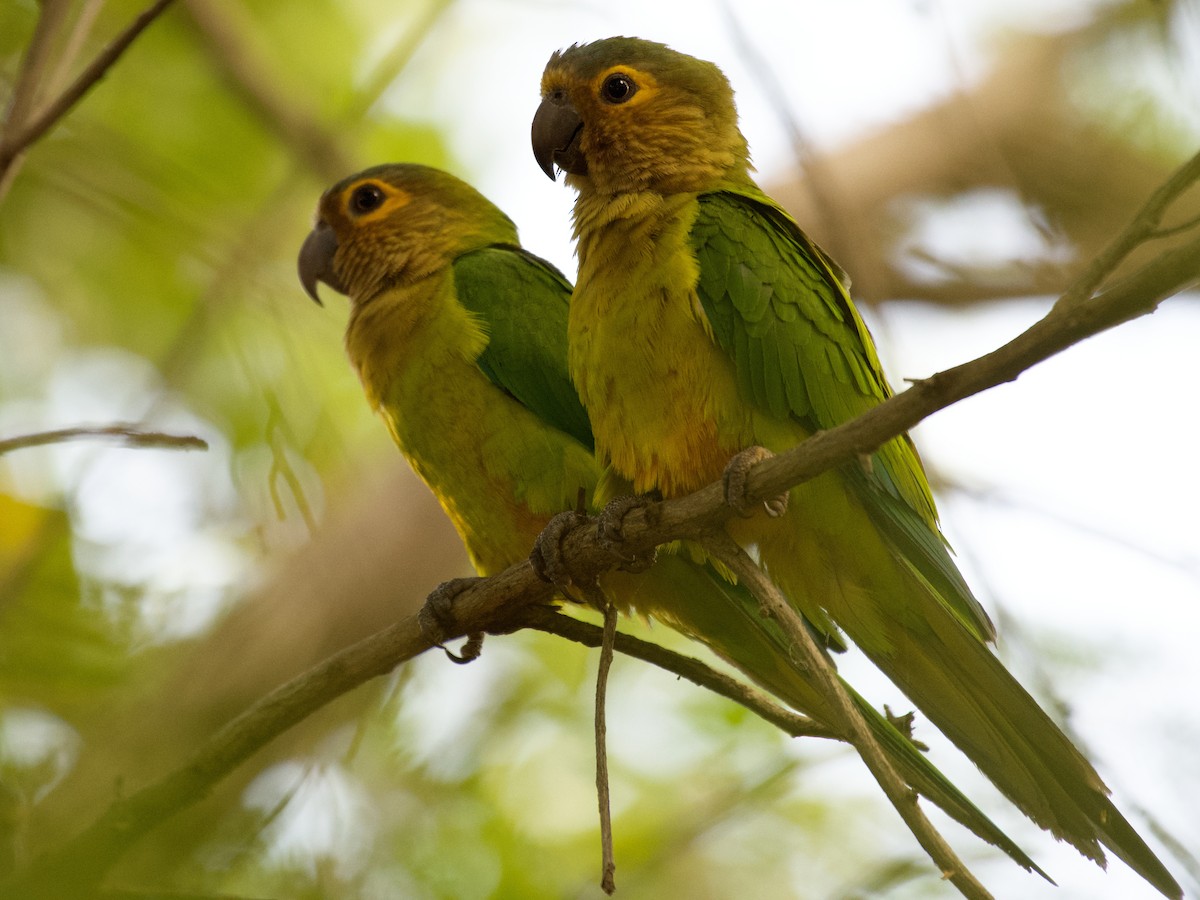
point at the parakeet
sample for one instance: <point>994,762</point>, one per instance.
<point>705,322</point>
<point>459,337</point>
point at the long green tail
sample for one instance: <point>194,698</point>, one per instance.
<point>899,613</point>
<point>697,601</point>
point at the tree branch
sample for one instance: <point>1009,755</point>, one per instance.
<point>84,860</point>
<point>608,864</point>
<point>901,796</point>
<point>545,618</point>
<point>127,434</point>
<point>511,599</point>
<point>13,145</point>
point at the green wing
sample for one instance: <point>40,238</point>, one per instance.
<point>800,349</point>
<point>522,301</point>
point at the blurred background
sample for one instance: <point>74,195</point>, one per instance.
<point>961,160</point>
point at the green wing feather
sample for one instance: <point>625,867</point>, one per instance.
<point>695,600</point>
<point>522,302</point>
<point>800,349</point>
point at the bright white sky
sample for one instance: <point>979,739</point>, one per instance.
<point>1089,534</point>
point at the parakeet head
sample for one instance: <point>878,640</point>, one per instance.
<point>395,224</point>
<point>623,114</point>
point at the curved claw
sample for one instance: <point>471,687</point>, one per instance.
<point>610,529</point>
<point>547,557</point>
<point>735,477</point>
<point>436,619</point>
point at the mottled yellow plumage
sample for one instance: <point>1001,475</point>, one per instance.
<point>457,431</point>
<point>416,349</point>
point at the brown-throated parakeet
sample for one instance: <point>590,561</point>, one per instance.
<point>705,322</point>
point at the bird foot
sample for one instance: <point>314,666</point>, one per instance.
<point>610,529</point>
<point>735,476</point>
<point>547,555</point>
<point>437,620</point>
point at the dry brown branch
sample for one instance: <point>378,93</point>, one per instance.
<point>126,434</point>
<point>84,860</point>
<point>899,794</point>
<point>503,602</point>
<point>608,865</point>
<point>543,618</point>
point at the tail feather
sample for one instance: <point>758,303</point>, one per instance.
<point>694,599</point>
<point>894,607</point>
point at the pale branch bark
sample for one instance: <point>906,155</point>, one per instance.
<point>59,77</point>
<point>501,602</point>
<point>126,434</point>
<point>12,145</point>
<point>854,726</point>
<point>35,63</point>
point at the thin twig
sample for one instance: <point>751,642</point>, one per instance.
<point>1172,230</point>
<point>72,49</point>
<point>901,796</point>
<point>603,795</point>
<point>14,144</point>
<point>29,79</point>
<point>126,434</point>
<point>85,859</point>
<point>1144,227</point>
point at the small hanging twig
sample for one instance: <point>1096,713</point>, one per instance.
<point>603,794</point>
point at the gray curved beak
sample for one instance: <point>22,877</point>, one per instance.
<point>316,261</point>
<point>555,134</point>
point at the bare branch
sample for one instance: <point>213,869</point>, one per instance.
<point>126,434</point>
<point>85,859</point>
<point>901,796</point>
<point>14,144</point>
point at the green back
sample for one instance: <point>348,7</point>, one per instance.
<point>801,350</point>
<point>522,301</point>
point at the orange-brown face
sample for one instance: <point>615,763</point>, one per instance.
<point>351,236</point>
<point>631,115</point>
<point>394,224</point>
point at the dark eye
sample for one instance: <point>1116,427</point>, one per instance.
<point>618,88</point>
<point>366,198</point>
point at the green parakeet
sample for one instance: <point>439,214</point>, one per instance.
<point>459,337</point>
<point>705,322</point>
